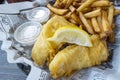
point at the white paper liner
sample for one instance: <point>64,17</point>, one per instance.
<point>37,73</point>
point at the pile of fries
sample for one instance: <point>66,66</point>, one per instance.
<point>94,16</point>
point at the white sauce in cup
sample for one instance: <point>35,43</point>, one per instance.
<point>40,14</point>
<point>27,33</point>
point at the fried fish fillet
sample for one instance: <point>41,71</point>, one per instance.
<point>43,48</point>
<point>78,57</point>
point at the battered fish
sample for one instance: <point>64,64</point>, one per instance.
<point>42,48</point>
<point>78,57</point>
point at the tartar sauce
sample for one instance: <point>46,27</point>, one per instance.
<point>27,33</point>
<point>40,14</point>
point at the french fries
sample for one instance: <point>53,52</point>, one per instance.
<point>86,24</point>
<point>110,14</point>
<point>85,5</point>
<point>93,16</point>
<point>75,4</point>
<point>72,8</point>
<point>106,26</point>
<point>69,2</point>
<point>56,3</point>
<point>64,1</point>
<point>76,18</point>
<point>72,21</point>
<point>68,15</point>
<point>95,25</point>
<point>102,34</point>
<point>86,10</point>
<point>57,11</point>
<point>102,3</point>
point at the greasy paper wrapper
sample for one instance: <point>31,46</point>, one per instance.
<point>37,73</point>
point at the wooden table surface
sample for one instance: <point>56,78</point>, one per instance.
<point>9,71</point>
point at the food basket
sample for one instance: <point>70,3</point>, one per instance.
<point>20,55</point>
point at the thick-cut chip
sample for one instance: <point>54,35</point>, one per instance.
<point>72,8</point>
<point>101,3</point>
<point>78,1</point>
<point>56,10</point>
<point>68,15</point>
<point>76,18</point>
<point>95,25</point>
<point>99,20</point>
<point>75,4</point>
<point>93,13</point>
<point>73,21</point>
<point>64,1</point>
<point>61,5</point>
<point>85,5</point>
<point>86,24</point>
<point>56,3</point>
<point>110,14</point>
<point>90,23</point>
<point>82,1</point>
<point>69,2</point>
<point>86,10</point>
<point>106,26</point>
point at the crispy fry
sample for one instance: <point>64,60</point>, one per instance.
<point>72,21</point>
<point>106,26</point>
<point>96,27</point>
<point>110,14</point>
<point>86,24</point>
<point>78,1</point>
<point>94,13</point>
<point>82,1</point>
<point>89,22</point>
<point>85,5</point>
<point>69,2</point>
<point>56,3</point>
<point>68,15</point>
<point>76,18</point>
<point>57,11</point>
<point>64,1</point>
<point>101,3</point>
<point>75,4</point>
<point>61,5</point>
<point>72,8</point>
<point>86,10</point>
<point>99,20</point>
<point>111,37</point>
